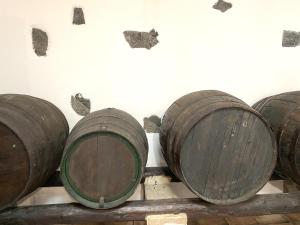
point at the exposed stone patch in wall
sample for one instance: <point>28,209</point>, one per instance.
<point>290,38</point>
<point>222,5</point>
<point>138,39</point>
<point>80,105</point>
<point>152,124</point>
<point>39,41</point>
<point>78,16</point>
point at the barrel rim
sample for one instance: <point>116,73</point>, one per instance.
<point>292,171</point>
<point>260,185</point>
<point>25,187</point>
<point>85,200</point>
<point>141,131</point>
<point>47,102</point>
<point>285,164</point>
<point>217,92</point>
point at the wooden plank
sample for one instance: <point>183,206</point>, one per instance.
<point>110,223</point>
<point>272,219</point>
<point>294,217</point>
<point>208,221</point>
<point>139,222</point>
<point>283,224</point>
<point>137,210</point>
<point>247,220</point>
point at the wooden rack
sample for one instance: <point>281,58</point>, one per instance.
<point>137,210</point>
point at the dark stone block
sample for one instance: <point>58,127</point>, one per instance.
<point>39,41</point>
<point>138,39</point>
<point>222,5</point>
<point>152,124</point>
<point>290,38</point>
<point>80,105</point>
<point>78,16</point>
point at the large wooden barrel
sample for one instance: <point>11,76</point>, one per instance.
<point>221,148</point>
<point>283,113</point>
<point>32,137</point>
<point>104,158</point>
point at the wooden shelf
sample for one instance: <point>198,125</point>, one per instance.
<point>137,210</point>
<point>182,201</point>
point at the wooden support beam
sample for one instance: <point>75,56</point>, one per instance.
<point>138,210</point>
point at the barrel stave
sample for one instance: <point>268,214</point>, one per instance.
<point>282,111</point>
<point>42,129</point>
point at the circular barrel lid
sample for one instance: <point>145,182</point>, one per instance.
<point>228,155</point>
<point>101,170</point>
<point>14,167</point>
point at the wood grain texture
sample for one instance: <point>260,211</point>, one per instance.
<point>272,219</point>
<point>104,158</point>
<point>55,180</point>
<point>14,166</point>
<point>137,210</point>
<point>282,111</point>
<point>102,166</point>
<point>233,161</point>
<point>207,221</point>
<point>222,149</point>
<point>249,220</point>
<point>40,129</point>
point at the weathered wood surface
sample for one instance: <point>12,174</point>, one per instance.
<point>14,166</point>
<point>219,146</point>
<point>282,111</point>
<point>138,210</point>
<point>104,158</point>
<point>55,181</point>
<point>33,133</point>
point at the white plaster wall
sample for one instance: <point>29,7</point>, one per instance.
<point>238,52</point>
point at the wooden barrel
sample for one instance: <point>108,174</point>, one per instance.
<point>221,148</point>
<point>32,137</point>
<point>104,158</point>
<point>283,113</point>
